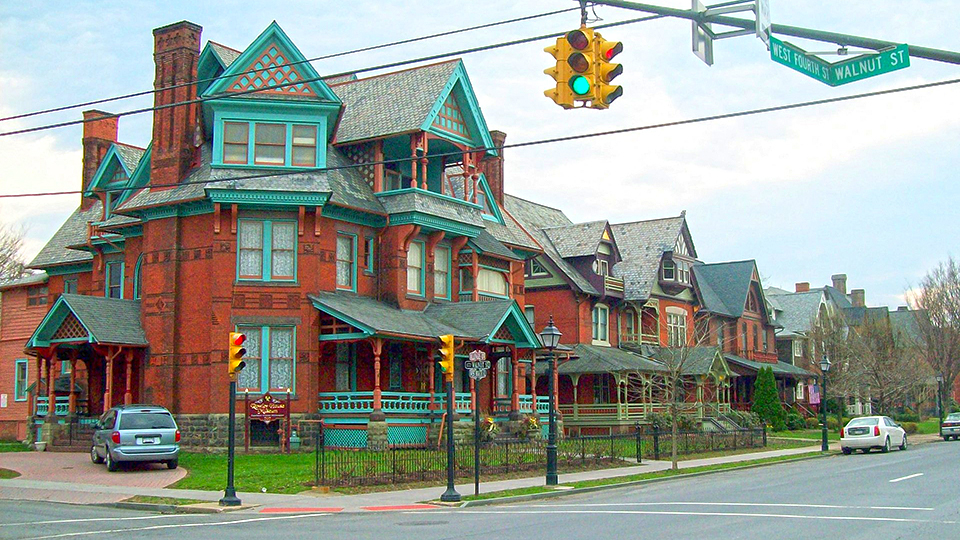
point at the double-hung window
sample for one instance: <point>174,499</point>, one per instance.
<point>669,270</point>
<point>114,279</point>
<point>236,140</point>
<point>70,285</point>
<point>492,282</point>
<point>346,262</point>
<point>677,329</point>
<point>20,381</point>
<point>441,272</point>
<point>269,144</point>
<point>37,296</point>
<point>269,359</point>
<point>267,250</point>
<point>415,269</point>
<point>368,255</point>
<point>601,315</point>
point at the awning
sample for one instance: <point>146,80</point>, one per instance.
<point>77,319</point>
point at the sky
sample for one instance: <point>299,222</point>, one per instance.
<point>864,187</point>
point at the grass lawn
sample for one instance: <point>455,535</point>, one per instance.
<point>6,474</point>
<point>812,434</point>
<point>161,500</point>
<point>13,447</point>
<point>929,425</point>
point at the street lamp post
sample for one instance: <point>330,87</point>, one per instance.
<point>824,368</point>
<point>940,402</point>
<point>550,336</point>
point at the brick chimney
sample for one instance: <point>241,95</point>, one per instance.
<point>99,132</point>
<point>803,286</point>
<point>493,167</point>
<point>176,54</point>
<point>840,282</point>
<point>858,298</point>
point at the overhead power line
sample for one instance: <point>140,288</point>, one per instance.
<point>324,57</point>
<point>390,65</point>
<point>554,140</point>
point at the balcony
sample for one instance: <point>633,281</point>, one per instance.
<point>612,286</point>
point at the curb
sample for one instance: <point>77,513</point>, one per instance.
<point>577,491</point>
<point>175,509</point>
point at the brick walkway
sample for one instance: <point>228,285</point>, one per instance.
<point>77,468</point>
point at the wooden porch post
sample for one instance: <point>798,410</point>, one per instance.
<point>533,383</point>
<point>617,380</point>
<point>73,382</point>
<point>109,357</point>
<point>575,379</point>
<point>127,394</point>
<point>432,375</point>
<point>515,384</point>
<point>36,385</point>
<point>377,414</point>
<point>51,387</point>
<point>473,394</point>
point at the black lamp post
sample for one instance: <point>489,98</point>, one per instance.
<point>550,336</point>
<point>824,368</point>
<point>940,402</point>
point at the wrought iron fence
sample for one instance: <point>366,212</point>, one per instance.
<point>397,465</point>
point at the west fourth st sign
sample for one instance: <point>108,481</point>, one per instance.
<point>845,71</point>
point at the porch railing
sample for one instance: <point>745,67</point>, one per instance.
<point>390,402</point>
<point>633,412</point>
<point>60,408</point>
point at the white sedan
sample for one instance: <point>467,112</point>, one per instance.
<point>869,432</point>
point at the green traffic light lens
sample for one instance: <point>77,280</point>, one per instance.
<point>580,85</point>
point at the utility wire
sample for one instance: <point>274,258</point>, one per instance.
<point>701,119</point>
<point>325,57</point>
<point>439,56</point>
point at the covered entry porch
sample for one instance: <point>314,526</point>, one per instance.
<point>379,382</point>
<point>89,357</point>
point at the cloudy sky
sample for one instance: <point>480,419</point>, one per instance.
<point>865,187</point>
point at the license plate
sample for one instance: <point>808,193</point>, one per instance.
<point>149,440</point>
<point>858,431</point>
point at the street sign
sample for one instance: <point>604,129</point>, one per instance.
<point>845,71</point>
<point>702,40</point>
<point>763,21</point>
<point>477,365</point>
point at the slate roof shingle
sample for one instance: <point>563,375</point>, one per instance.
<point>577,240</point>
<point>72,232</point>
<point>642,244</point>
<point>597,359</point>
<point>724,286</point>
<point>109,320</point>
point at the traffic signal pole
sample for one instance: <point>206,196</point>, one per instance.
<point>450,495</point>
<point>230,494</point>
<point>916,51</point>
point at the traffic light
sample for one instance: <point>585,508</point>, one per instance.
<point>606,71</point>
<point>447,348</point>
<point>574,71</point>
<point>235,353</point>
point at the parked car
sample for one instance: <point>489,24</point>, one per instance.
<point>950,427</point>
<point>144,433</point>
<point>868,432</point>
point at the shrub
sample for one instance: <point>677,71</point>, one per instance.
<point>910,427</point>
<point>746,419</point>
<point>812,422</point>
<point>766,402</point>
<point>832,423</point>
<point>907,417</point>
<point>795,421</point>
<point>663,422</point>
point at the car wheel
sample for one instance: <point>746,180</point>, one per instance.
<point>886,445</point>
<point>94,456</point>
<point>903,445</point>
<point>946,438</point>
<point>112,465</point>
<point>846,451</point>
<point>173,464</point>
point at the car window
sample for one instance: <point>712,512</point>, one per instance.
<point>147,420</point>
<point>108,419</point>
<point>953,417</point>
<point>864,422</point>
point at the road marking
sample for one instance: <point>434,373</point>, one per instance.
<point>157,527</point>
<point>114,519</point>
<point>298,510</point>
<point>895,480</point>
<point>694,503</point>
<point>711,514</point>
<point>400,507</point>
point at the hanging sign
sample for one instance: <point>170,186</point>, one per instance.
<point>477,365</point>
<point>267,409</point>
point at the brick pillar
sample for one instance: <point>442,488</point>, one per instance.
<point>492,167</point>
<point>175,129</point>
<point>99,132</point>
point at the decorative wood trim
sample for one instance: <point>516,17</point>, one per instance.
<point>301,213</point>
<point>233,218</point>
<point>414,231</point>
<point>317,214</point>
<point>378,167</point>
<point>216,218</point>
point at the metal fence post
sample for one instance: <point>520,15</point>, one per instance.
<point>764,436</point>
<point>639,442</point>
<point>316,456</point>
<point>656,442</point>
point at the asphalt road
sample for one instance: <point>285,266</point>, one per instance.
<point>913,494</point>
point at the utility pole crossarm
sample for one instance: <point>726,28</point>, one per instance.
<point>916,51</point>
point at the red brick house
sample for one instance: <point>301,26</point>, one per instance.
<point>341,224</point>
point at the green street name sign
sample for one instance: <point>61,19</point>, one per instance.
<point>845,71</point>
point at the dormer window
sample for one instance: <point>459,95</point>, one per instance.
<point>683,272</point>
<point>601,267</point>
<point>669,271</point>
<point>677,271</point>
<point>269,144</point>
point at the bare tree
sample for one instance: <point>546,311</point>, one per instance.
<point>831,335</point>
<point>11,259</point>
<point>888,365</point>
<point>937,306</point>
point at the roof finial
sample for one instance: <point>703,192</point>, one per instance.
<point>683,213</point>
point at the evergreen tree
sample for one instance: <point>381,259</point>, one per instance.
<point>766,402</point>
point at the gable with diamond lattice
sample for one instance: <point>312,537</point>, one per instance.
<point>272,68</point>
<point>70,328</point>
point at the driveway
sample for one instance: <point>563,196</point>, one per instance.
<point>75,467</point>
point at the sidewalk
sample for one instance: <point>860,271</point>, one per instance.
<point>74,488</point>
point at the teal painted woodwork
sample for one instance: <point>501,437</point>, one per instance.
<point>430,223</point>
<point>264,360</point>
<point>354,263</point>
<point>138,277</point>
<point>459,85</point>
<point>64,269</point>
<point>351,215</point>
<point>406,435</point>
<point>344,438</point>
<point>266,199</point>
<point>21,379</point>
<point>267,248</point>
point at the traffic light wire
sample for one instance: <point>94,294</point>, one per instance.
<point>701,119</point>
<point>389,65</point>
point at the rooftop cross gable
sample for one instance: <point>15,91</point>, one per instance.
<point>582,239</point>
<point>267,62</point>
<point>642,245</point>
<point>116,168</point>
<point>723,288</point>
<point>77,319</point>
<point>214,60</point>
<point>456,113</point>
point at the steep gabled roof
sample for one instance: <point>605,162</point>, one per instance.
<point>72,232</point>
<point>226,54</point>
<point>798,310</point>
<point>642,244</point>
<point>577,240</point>
<point>724,287</point>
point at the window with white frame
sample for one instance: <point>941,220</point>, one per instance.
<point>683,272</point>
<point>441,272</point>
<point>269,359</point>
<point>668,270</point>
<point>267,250</point>
<point>114,278</point>
<point>503,376</point>
<point>600,320</point>
<point>20,381</point>
<point>415,269</point>
<point>676,327</point>
<point>799,393</point>
<point>602,267</point>
<point>368,255</point>
<point>346,262</point>
<point>797,348</point>
<point>528,313</point>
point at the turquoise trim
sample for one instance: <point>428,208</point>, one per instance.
<point>266,266</point>
<point>99,180</point>
<point>371,255</point>
<point>254,118</point>
<point>354,264</point>
<point>262,198</point>
<point>110,265</point>
<point>341,337</point>
<point>265,354</point>
<point>491,202</point>
<point>20,387</point>
<point>427,193</point>
<point>51,322</point>
<point>351,215</point>
<point>518,324</point>
<point>139,178</point>
<point>185,209</point>
<point>77,268</point>
<point>209,66</point>
<point>137,277</point>
<point>434,223</point>
<point>459,84</point>
<point>367,330</point>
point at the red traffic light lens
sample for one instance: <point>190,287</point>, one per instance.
<point>579,63</point>
<point>613,51</point>
<point>577,39</point>
<point>238,339</point>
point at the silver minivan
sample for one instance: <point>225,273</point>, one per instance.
<point>145,433</point>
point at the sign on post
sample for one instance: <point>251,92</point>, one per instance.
<point>843,72</point>
<point>702,40</point>
<point>763,21</point>
<point>477,365</point>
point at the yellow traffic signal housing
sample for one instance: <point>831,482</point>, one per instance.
<point>235,353</point>
<point>573,71</point>
<point>605,71</point>
<point>560,93</point>
<point>447,353</point>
